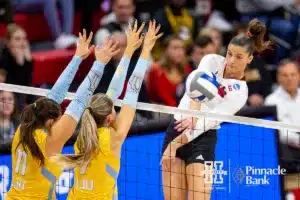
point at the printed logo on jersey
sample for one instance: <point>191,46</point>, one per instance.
<point>236,86</point>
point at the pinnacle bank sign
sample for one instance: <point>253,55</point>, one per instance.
<point>246,175</point>
<point>250,175</point>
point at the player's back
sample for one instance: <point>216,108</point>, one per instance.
<point>30,180</point>
<point>98,179</point>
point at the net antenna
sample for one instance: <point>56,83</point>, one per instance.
<point>168,110</point>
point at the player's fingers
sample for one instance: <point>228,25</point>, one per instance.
<point>157,29</point>
<point>159,36</point>
<point>115,52</point>
<point>90,38</point>
<point>135,26</point>
<point>150,25</point>
<point>80,36</point>
<point>84,34</point>
<point>115,46</point>
<point>153,25</point>
<point>178,121</point>
<point>141,28</point>
<point>183,124</point>
<point>129,31</point>
<point>177,126</point>
<point>110,43</point>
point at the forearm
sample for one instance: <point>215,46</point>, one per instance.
<point>61,87</point>
<point>116,85</point>
<point>183,137</point>
<point>145,54</point>
<point>85,91</point>
<point>136,80</point>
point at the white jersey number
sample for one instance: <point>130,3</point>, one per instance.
<point>21,162</point>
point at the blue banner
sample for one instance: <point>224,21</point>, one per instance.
<point>246,167</point>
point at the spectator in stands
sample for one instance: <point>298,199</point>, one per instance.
<point>166,75</point>
<point>123,12</point>
<point>271,13</point>
<point>216,37</point>
<point>259,82</point>
<point>62,35</point>
<point>175,20</point>
<point>287,99</point>
<point>8,114</point>
<point>16,59</point>
<point>88,9</point>
<point>3,75</point>
<point>202,46</point>
<point>6,13</point>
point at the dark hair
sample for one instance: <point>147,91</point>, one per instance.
<point>34,116</point>
<point>87,141</point>
<point>286,61</point>
<point>253,39</point>
<point>202,41</point>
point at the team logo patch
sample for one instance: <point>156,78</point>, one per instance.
<point>236,86</point>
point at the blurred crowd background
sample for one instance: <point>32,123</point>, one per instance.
<point>38,39</point>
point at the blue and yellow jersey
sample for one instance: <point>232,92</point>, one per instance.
<point>98,179</point>
<point>30,180</point>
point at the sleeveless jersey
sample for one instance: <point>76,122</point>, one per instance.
<point>29,179</point>
<point>98,179</point>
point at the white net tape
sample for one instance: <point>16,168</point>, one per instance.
<point>168,110</point>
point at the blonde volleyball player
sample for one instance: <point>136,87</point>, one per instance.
<point>43,131</point>
<point>189,142</point>
<point>99,143</point>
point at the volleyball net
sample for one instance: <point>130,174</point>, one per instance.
<point>249,161</point>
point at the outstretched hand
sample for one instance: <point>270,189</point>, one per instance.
<point>151,36</point>
<point>134,37</point>
<point>83,45</point>
<point>107,51</point>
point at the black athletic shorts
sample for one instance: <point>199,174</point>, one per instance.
<point>198,150</point>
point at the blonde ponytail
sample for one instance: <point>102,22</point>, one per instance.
<point>87,144</point>
<point>87,141</point>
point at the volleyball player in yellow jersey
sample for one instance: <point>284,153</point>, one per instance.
<point>43,131</point>
<point>99,143</point>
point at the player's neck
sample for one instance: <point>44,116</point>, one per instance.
<point>238,76</point>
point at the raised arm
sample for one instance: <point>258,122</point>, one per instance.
<point>125,118</point>
<point>133,43</point>
<point>64,128</point>
<point>62,85</point>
